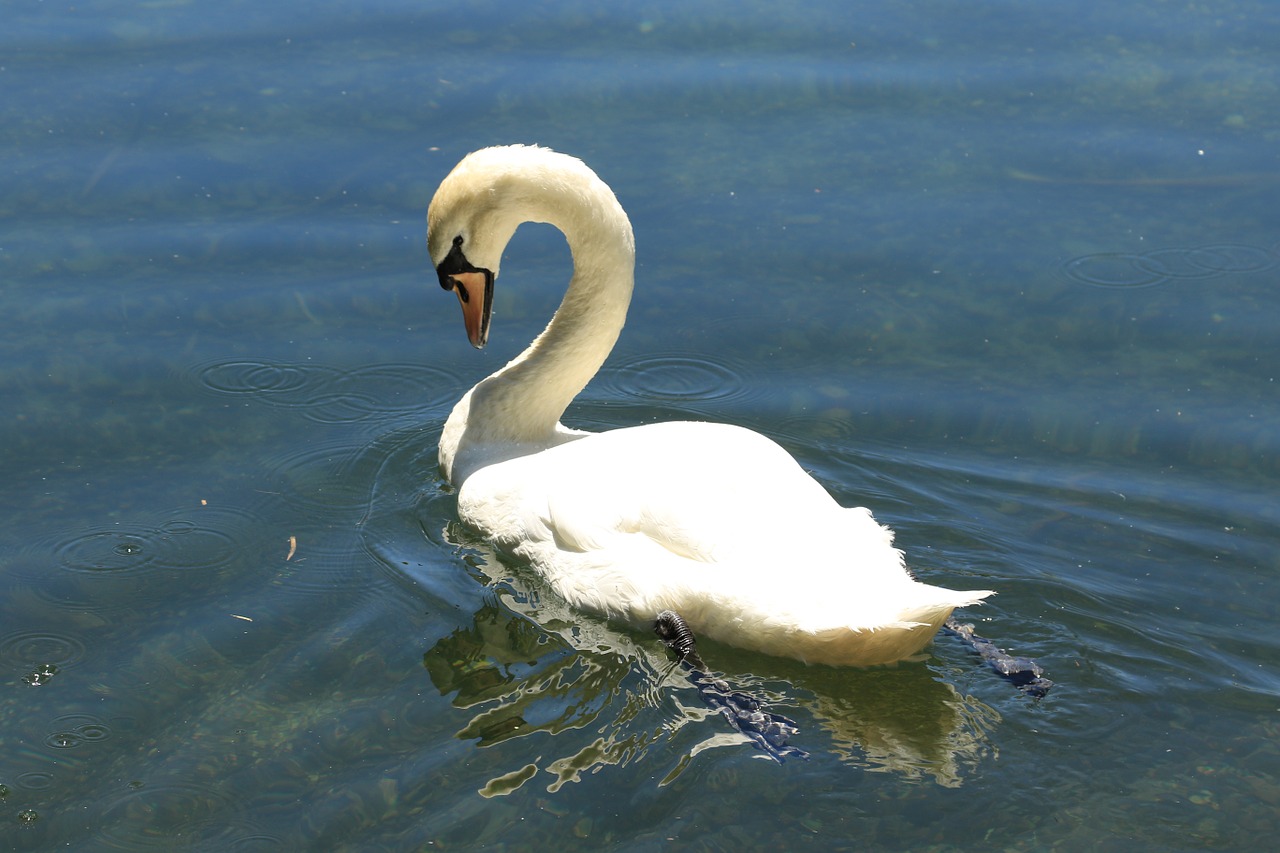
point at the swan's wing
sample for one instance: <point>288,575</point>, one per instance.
<point>698,490</point>
<point>707,493</point>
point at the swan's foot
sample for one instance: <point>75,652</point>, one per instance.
<point>675,634</point>
<point>769,732</point>
<point>1024,673</point>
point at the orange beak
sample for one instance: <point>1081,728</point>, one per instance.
<point>475,294</point>
<point>474,287</point>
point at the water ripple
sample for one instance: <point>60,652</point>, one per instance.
<point>817,429</point>
<point>128,550</point>
<point>1123,270</point>
<point>114,550</point>
<point>677,377</point>
<point>329,395</point>
<point>36,780</point>
<point>73,730</point>
<point>265,379</point>
<point>40,648</point>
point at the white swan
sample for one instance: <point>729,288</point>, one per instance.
<point>713,521</point>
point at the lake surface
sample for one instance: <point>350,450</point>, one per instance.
<point>1005,273</point>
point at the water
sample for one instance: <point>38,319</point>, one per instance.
<point>1005,274</point>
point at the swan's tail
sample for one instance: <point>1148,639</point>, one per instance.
<point>899,637</point>
<point>937,609</point>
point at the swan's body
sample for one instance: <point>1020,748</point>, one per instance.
<point>713,521</point>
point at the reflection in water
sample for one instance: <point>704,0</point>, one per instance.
<point>467,663</point>
<point>525,681</point>
<point>528,668</point>
<point>902,720</point>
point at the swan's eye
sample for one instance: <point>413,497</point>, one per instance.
<point>457,242</point>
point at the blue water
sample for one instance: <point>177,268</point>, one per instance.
<point>1006,274</point>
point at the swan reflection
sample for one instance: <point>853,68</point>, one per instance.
<point>527,665</point>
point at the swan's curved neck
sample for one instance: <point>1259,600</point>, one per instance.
<point>517,410</point>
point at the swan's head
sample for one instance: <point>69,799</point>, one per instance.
<point>471,219</point>
<point>468,226</point>
<point>484,199</point>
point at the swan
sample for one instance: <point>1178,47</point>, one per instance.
<point>713,521</point>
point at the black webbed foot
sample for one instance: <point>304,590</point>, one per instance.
<point>675,634</point>
<point>1023,673</point>
<point>769,732</point>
